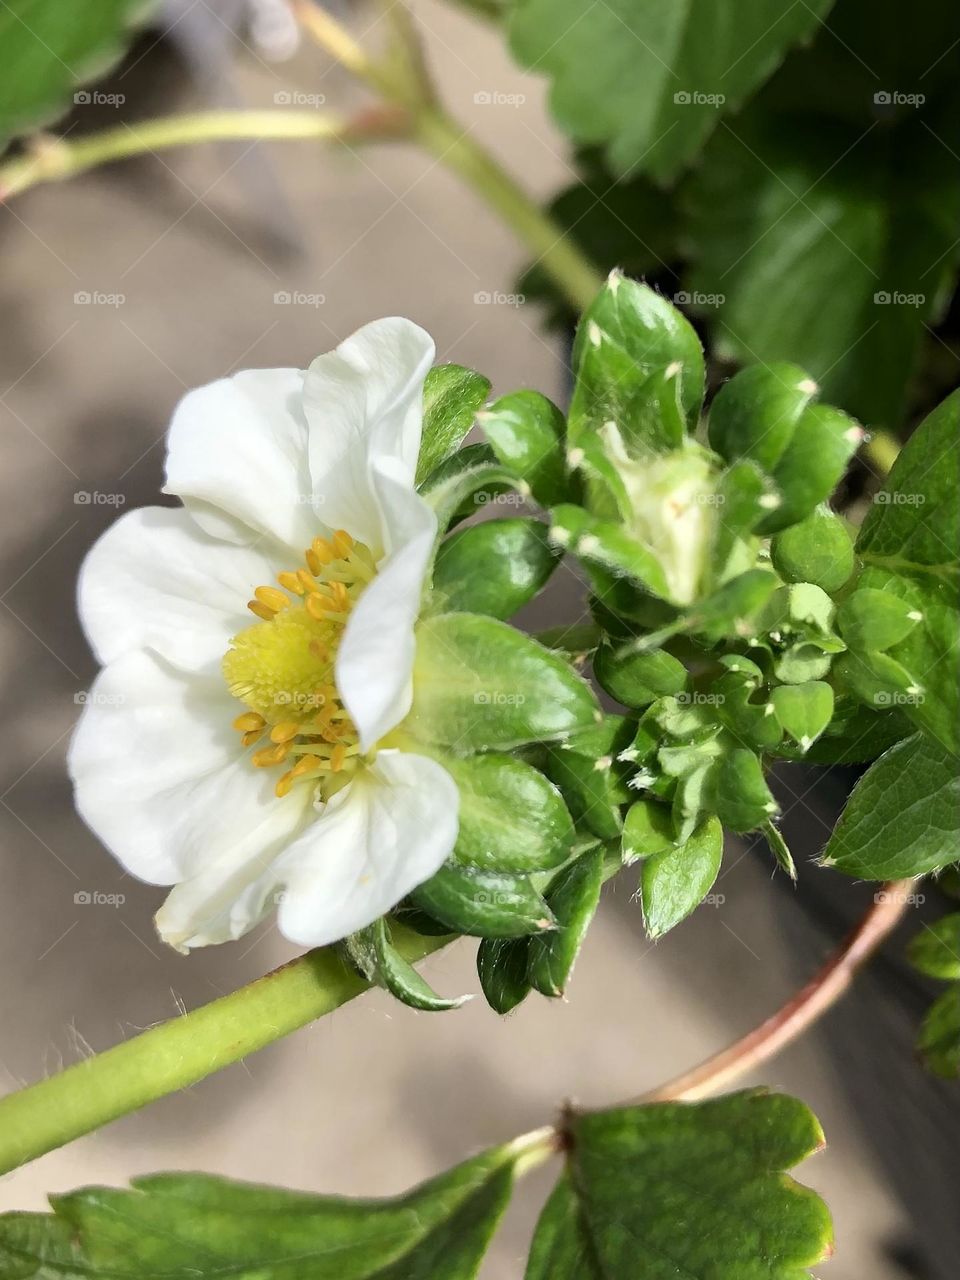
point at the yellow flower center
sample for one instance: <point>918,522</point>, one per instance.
<point>282,667</point>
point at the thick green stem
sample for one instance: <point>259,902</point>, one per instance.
<point>180,1052</point>
<point>553,248</point>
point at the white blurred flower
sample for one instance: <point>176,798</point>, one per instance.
<point>247,760</point>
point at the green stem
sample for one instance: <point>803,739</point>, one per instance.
<point>49,159</point>
<point>178,1053</point>
<point>552,246</point>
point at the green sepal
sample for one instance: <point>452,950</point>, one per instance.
<point>502,970</point>
<point>592,776</point>
<point>819,549</point>
<point>484,904</point>
<point>450,487</point>
<point>755,414</point>
<point>635,358</point>
<point>451,397</point>
<point>755,724</point>
<point>374,955</point>
<point>804,710</point>
<point>572,895</point>
<point>871,620</point>
<point>494,568</point>
<point>481,684</point>
<point>744,495</point>
<point>936,951</point>
<point>609,546</point>
<point>647,829</point>
<point>744,801</point>
<point>801,663</point>
<point>512,818</point>
<point>526,431</point>
<point>812,465</point>
<point>674,882</point>
<point>637,679</point>
<point>780,849</point>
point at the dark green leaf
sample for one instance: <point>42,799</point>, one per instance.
<point>572,897</point>
<point>374,954</point>
<point>818,549</point>
<point>480,684</point>
<point>903,816</point>
<point>190,1226</point>
<point>589,770</point>
<point>452,396</point>
<point>939,1040</point>
<point>647,829</point>
<point>744,802</point>
<point>495,567</point>
<point>873,620</point>
<point>502,969</point>
<point>50,49</point>
<point>652,81</point>
<point>673,883</point>
<point>676,1190</point>
<point>512,818</point>
<point>637,679</point>
<point>804,710</point>
<point>485,904</point>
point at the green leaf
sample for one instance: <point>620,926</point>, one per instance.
<point>804,710</point>
<point>872,620</point>
<point>673,883</point>
<point>526,432</point>
<point>502,969</point>
<point>484,904</point>
<point>637,679</point>
<point>374,954</point>
<point>744,802</point>
<point>573,896</point>
<point>675,1190</point>
<point>191,1226</point>
<point>49,49</point>
<point>494,568</point>
<point>480,684</point>
<point>636,361</point>
<point>647,829</point>
<point>829,241</point>
<point>903,816</point>
<point>755,414</point>
<point>936,951</point>
<point>452,396</point>
<point>939,1039</point>
<point>592,774</point>
<point>818,549</point>
<point>652,80</point>
<point>512,818</point>
<point>609,546</point>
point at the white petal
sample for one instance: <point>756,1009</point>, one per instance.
<point>237,456</point>
<point>161,778</point>
<point>375,660</point>
<point>364,400</point>
<point>155,580</point>
<point>392,828</point>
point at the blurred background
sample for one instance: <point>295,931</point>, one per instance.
<point>125,287</point>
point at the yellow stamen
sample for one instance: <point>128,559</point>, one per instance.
<point>306,764</point>
<point>338,757</point>
<point>316,607</point>
<point>284,785</point>
<point>314,563</point>
<point>273,598</point>
<point>249,721</point>
<point>342,544</point>
<point>267,756</point>
<point>323,550</point>
<point>248,739</point>
<point>260,610</point>
<point>291,582</point>
<point>284,731</point>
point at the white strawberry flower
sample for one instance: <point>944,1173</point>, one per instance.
<point>257,648</point>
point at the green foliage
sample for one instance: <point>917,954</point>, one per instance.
<point>673,1189</point>
<point>818,549</point>
<point>903,817</point>
<point>452,397</point>
<point>572,897</point>
<point>650,79</point>
<point>526,431</point>
<point>486,904</point>
<point>377,959</point>
<point>191,1226</point>
<point>50,49</point>
<point>480,684</point>
<point>675,881</point>
<point>936,952</point>
<point>495,567</point>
